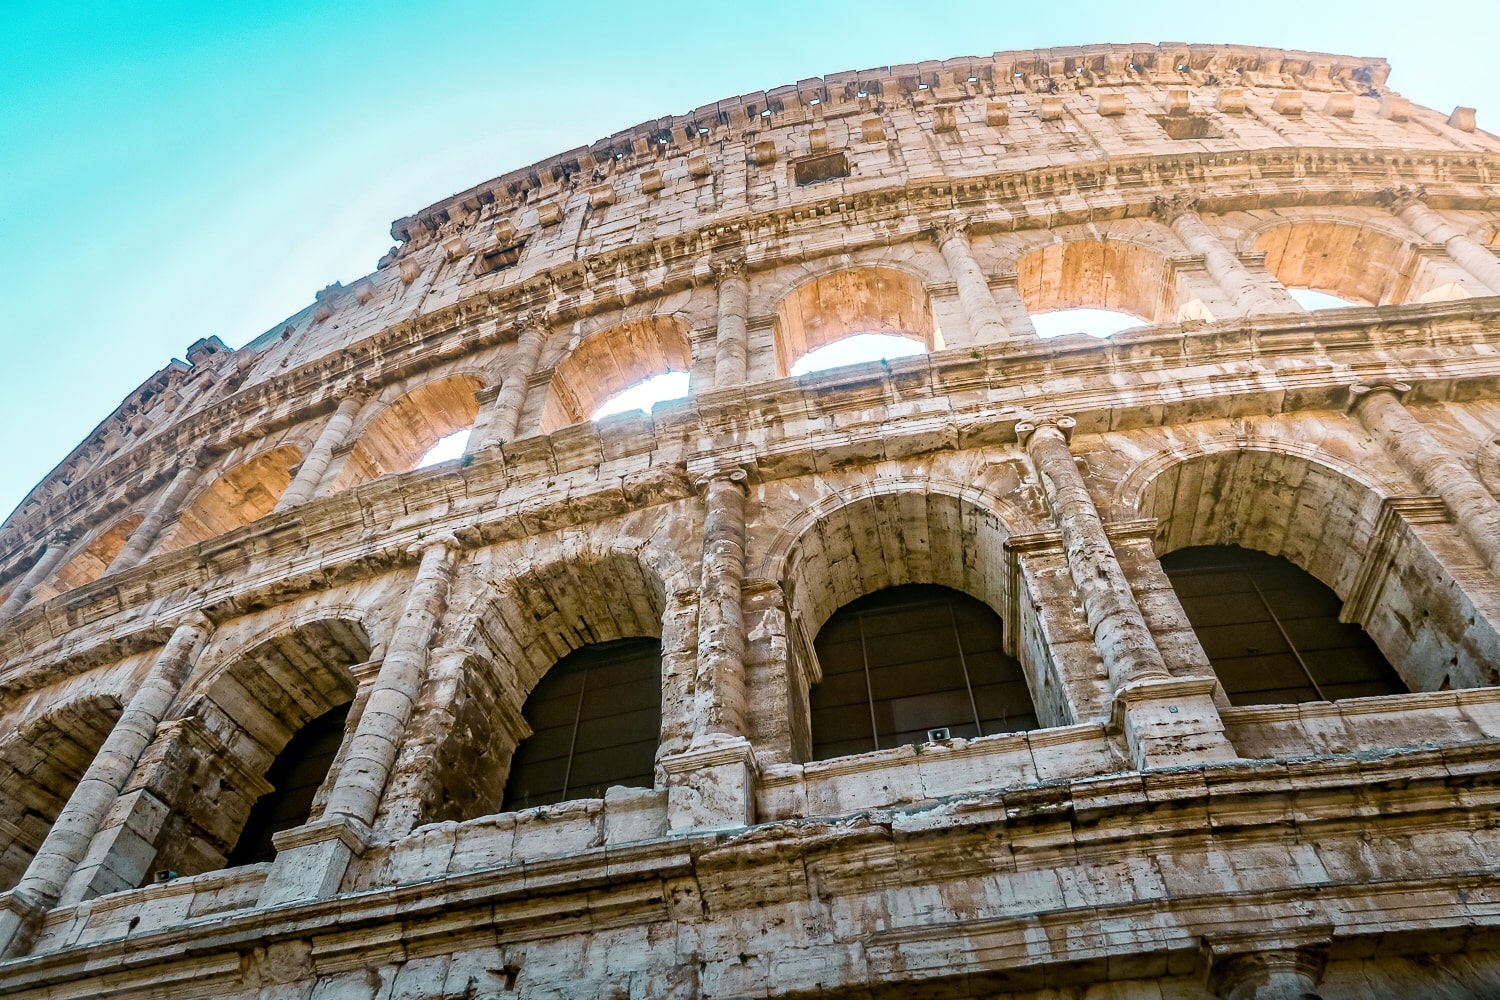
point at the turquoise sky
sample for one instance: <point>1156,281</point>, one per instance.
<point>174,170</point>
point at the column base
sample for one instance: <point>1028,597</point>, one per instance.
<point>20,922</point>
<point>311,860</point>
<point>1172,722</point>
<point>121,853</point>
<point>711,786</point>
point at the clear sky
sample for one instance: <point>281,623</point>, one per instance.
<point>174,170</point>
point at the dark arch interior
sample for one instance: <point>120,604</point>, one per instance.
<point>295,776</point>
<point>595,721</point>
<point>910,663</point>
<point>1272,630</point>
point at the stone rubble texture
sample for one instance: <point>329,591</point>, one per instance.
<point>243,545</point>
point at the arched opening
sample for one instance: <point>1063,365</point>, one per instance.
<point>446,449</point>
<point>595,721</point>
<point>912,664</point>
<point>90,564</point>
<point>1324,522</point>
<point>40,765</point>
<point>295,776</point>
<point>644,395</point>
<point>405,433</point>
<point>245,493</point>
<point>1315,301</point>
<point>610,362</point>
<point>1101,323</point>
<point>1098,287</point>
<point>1272,631</point>
<point>1346,264</point>
<point>573,660</point>
<point>855,350</point>
<point>850,303</point>
<point>259,733</point>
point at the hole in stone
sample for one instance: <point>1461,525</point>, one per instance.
<point>1100,323</point>
<point>1188,126</point>
<point>446,449</point>
<point>645,395</point>
<point>857,349</point>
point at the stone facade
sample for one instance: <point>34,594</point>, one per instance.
<point>244,546</point>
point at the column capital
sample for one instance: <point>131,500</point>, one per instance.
<point>444,540</point>
<point>1063,425</point>
<point>1401,196</point>
<point>737,474</point>
<point>1170,207</point>
<point>358,389</point>
<point>949,228</point>
<point>1293,961</point>
<point>731,266</point>
<point>1359,390</point>
<point>60,536</point>
<point>194,619</point>
<point>536,320</point>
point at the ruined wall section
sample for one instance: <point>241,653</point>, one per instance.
<point>725,165</point>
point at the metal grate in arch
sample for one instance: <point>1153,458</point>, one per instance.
<point>909,663</point>
<point>1272,631</point>
<point>595,721</point>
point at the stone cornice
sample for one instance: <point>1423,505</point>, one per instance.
<point>1124,815</point>
<point>1025,72</point>
<point>1002,202</point>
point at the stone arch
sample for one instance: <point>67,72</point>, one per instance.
<point>90,562</point>
<point>872,298</point>
<point>1326,518</point>
<point>876,536</point>
<point>396,436</point>
<point>544,609</point>
<point>1366,261</point>
<point>905,516</point>
<point>240,495</point>
<point>533,617</point>
<point>41,762</point>
<point>610,361</point>
<point>1091,273</point>
<point>207,763</point>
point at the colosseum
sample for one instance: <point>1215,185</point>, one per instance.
<point>1184,639</point>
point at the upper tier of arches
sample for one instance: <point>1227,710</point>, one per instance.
<point>1145,268</point>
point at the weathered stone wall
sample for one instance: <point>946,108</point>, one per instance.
<point>244,546</point>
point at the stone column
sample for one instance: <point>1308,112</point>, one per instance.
<point>719,700</point>
<point>732,350</point>
<point>1249,292</point>
<point>46,563</point>
<point>1474,508</point>
<point>466,706</point>
<point>71,834</point>
<point>312,859</point>
<point>985,324</point>
<point>1116,621</point>
<point>189,470</point>
<point>1166,720</point>
<point>304,487</point>
<point>1472,255</point>
<point>497,422</point>
<point>711,784</point>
